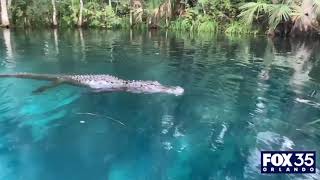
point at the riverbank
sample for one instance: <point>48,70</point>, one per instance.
<point>285,18</point>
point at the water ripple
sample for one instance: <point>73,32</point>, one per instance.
<point>242,95</point>
<point>35,111</point>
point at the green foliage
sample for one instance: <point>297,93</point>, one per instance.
<point>284,11</point>
<point>229,16</point>
<point>30,13</point>
<point>206,24</point>
<point>186,23</point>
<point>204,16</point>
<point>279,13</point>
<point>69,11</point>
<point>101,16</point>
<point>95,13</point>
<point>183,24</point>
<point>193,21</point>
<point>238,28</point>
<point>251,11</point>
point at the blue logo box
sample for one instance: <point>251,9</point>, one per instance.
<point>288,162</point>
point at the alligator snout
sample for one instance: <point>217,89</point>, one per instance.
<point>178,91</point>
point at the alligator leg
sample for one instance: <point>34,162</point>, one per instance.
<point>44,88</point>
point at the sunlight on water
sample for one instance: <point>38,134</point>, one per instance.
<point>242,95</point>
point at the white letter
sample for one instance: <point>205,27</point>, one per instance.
<point>266,159</point>
<point>277,159</point>
<point>311,169</point>
<point>264,169</point>
<point>286,161</point>
<point>287,169</point>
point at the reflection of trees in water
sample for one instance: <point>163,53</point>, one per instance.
<point>199,67</point>
<point>304,81</point>
<point>302,55</point>
<point>293,62</point>
<point>224,94</point>
<point>7,42</point>
<point>257,100</point>
<point>289,65</point>
<point>9,60</point>
<point>56,40</point>
<point>82,45</point>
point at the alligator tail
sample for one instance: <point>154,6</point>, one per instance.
<point>48,77</point>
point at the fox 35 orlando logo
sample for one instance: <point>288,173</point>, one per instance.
<point>288,161</point>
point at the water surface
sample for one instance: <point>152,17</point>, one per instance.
<point>242,95</point>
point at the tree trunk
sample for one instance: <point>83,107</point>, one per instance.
<point>131,14</point>
<point>109,2</point>
<point>168,13</point>
<point>4,14</point>
<point>307,23</point>
<point>54,14</point>
<point>80,14</point>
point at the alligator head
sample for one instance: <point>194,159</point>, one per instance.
<point>153,87</point>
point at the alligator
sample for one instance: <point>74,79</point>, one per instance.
<point>99,83</point>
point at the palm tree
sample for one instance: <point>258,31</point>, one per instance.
<point>164,10</point>
<point>136,11</point>
<point>54,13</point>
<point>301,15</point>
<point>4,14</point>
<point>305,16</point>
<point>80,14</point>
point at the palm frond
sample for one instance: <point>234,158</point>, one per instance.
<point>279,13</point>
<point>316,6</point>
<point>297,13</point>
<point>252,10</point>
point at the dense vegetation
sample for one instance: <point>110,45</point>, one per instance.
<point>276,17</point>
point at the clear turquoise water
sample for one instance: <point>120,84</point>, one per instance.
<point>242,95</point>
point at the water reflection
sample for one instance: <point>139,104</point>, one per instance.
<point>56,41</point>
<point>10,63</point>
<point>82,44</point>
<point>243,95</point>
